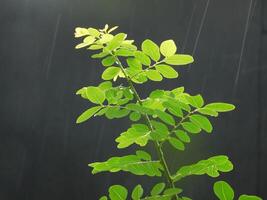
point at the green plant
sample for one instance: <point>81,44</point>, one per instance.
<point>163,117</point>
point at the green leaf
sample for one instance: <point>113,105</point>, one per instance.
<point>172,191</point>
<point>135,116</point>
<point>103,198</point>
<point>100,55</point>
<point>173,107</point>
<point>106,38</point>
<point>138,134</point>
<point>249,197</point>
<point>81,45</point>
<point>168,48</point>
<point>134,63</point>
<point>89,40</point>
<point>129,163</point>
<point>190,127</point>
<point>179,59</point>
<point>165,117</point>
<point>151,49</point>
<point>124,52</point>
<point>116,41</point>
<point>206,111</point>
<point>105,85</point>
<point>93,32</point>
<point>143,58</point>
<point>160,131</point>
<point>95,95</point>
<point>223,190</point>
<point>117,192</point>
<point>108,61</point>
<point>176,143</point>
<point>202,122</point>
<point>220,107</point>
<point>111,73</point>
<point>112,29</point>
<point>167,71</point>
<point>137,192</point>
<point>183,136</point>
<point>80,32</point>
<point>157,189</point>
<point>153,75</point>
<point>196,101</point>
<point>88,114</point>
<point>211,167</point>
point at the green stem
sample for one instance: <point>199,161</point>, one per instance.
<point>157,145</point>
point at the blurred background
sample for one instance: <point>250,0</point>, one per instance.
<point>44,154</point>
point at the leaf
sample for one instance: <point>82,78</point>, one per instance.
<point>106,38</point>
<point>173,107</point>
<point>112,29</point>
<point>151,49</point>
<point>93,32</point>
<point>79,32</point>
<point>165,117</point>
<point>81,45</point>
<point>183,136</point>
<point>190,127</point>
<point>179,59</point>
<point>138,134</point>
<point>111,73</point>
<point>249,197</point>
<point>168,48</point>
<point>135,116</point>
<point>117,192</point>
<point>223,190</point>
<point>153,75</point>
<point>137,192</point>
<point>172,191</point>
<point>124,52</point>
<point>220,107</point>
<point>89,40</point>
<point>212,166</point>
<point>88,114</point>
<point>160,131</point>
<point>95,95</point>
<point>108,61</point>
<point>143,58</point>
<point>157,189</point>
<point>202,122</point>
<point>103,198</point>
<point>207,111</point>
<point>176,143</point>
<point>116,41</point>
<point>134,63</point>
<point>196,101</point>
<point>129,163</point>
<point>167,71</point>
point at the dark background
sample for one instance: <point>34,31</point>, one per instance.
<point>44,154</point>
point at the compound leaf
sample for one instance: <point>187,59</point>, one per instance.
<point>211,167</point>
<point>129,163</point>
<point>138,134</point>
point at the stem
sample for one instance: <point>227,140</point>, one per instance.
<point>157,145</point>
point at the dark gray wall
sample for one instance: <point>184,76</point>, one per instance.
<point>44,154</point>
